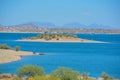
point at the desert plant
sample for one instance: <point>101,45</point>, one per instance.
<point>30,71</point>
<point>65,74</point>
<point>4,46</point>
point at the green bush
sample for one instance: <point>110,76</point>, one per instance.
<point>30,71</point>
<point>4,46</point>
<point>65,74</point>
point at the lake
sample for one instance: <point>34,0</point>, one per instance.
<point>93,58</point>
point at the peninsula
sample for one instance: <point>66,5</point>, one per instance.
<point>11,55</point>
<point>7,54</point>
<point>57,38</point>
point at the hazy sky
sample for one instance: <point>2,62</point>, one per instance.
<point>106,12</point>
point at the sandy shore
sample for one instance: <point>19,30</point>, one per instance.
<point>11,55</point>
<point>62,40</point>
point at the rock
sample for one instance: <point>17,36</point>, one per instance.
<point>2,76</point>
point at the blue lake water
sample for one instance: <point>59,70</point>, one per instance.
<point>93,58</point>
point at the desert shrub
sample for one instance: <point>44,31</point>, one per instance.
<point>65,74</point>
<point>30,71</point>
<point>4,46</point>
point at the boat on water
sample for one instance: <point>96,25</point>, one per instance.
<point>38,53</point>
<point>41,54</point>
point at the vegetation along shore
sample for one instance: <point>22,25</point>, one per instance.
<point>33,72</point>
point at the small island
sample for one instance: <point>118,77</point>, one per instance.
<point>57,38</point>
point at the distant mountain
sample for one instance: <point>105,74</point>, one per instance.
<point>92,26</point>
<point>44,24</point>
<point>1,25</point>
<point>69,25</point>
<point>74,25</point>
<point>27,25</point>
<point>99,26</point>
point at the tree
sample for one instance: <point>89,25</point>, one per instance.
<point>65,74</point>
<point>30,71</point>
<point>17,48</point>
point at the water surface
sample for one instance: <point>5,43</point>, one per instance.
<point>93,58</point>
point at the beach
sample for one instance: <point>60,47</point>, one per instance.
<point>11,55</point>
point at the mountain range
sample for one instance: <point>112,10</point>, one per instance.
<point>69,25</point>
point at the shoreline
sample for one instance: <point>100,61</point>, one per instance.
<point>79,40</point>
<point>75,33</point>
<point>7,56</point>
<point>20,32</point>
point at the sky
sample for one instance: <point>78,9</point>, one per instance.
<point>59,12</point>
